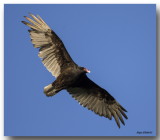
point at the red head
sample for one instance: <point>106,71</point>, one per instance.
<point>86,70</point>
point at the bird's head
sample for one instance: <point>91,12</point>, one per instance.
<point>85,70</point>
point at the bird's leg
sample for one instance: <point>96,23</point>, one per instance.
<point>52,93</point>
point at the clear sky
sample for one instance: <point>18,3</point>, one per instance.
<point>116,42</point>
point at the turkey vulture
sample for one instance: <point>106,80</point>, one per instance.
<point>69,75</point>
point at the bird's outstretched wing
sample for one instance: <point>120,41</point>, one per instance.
<point>52,51</point>
<point>90,95</point>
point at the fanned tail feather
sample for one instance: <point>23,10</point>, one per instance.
<point>50,90</point>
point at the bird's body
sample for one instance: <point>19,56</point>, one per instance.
<point>65,80</point>
<point>69,75</point>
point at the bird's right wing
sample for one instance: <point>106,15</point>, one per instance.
<point>90,95</point>
<point>52,51</point>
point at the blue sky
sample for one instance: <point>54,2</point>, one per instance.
<point>116,42</point>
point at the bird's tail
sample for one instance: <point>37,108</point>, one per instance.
<point>50,90</point>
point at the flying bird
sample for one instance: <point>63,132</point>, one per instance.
<point>69,76</point>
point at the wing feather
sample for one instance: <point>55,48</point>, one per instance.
<point>51,49</point>
<point>90,95</point>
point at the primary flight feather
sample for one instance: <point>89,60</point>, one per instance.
<point>69,75</point>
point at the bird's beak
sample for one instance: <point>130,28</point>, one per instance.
<point>88,71</point>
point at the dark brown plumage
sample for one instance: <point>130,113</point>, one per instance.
<point>69,75</point>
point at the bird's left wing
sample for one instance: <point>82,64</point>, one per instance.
<point>52,51</point>
<point>90,95</point>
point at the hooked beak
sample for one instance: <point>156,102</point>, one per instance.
<point>88,71</point>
